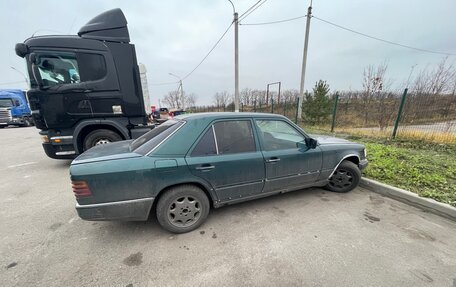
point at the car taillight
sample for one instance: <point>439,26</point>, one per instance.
<point>81,189</point>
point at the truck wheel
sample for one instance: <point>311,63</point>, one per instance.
<point>182,208</point>
<point>99,137</point>
<point>345,178</point>
<point>27,122</point>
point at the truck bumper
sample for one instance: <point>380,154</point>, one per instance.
<point>59,152</point>
<point>127,210</point>
<point>58,147</point>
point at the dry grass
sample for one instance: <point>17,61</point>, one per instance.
<point>425,136</point>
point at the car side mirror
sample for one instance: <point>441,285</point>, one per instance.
<point>311,143</point>
<point>302,145</point>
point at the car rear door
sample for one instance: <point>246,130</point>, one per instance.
<point>287,166</point>
<point>228,157</point>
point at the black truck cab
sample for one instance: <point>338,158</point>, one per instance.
<point>85,89</point>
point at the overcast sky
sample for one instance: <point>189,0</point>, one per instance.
<point>174,35</point>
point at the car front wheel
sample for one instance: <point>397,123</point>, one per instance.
<point>182,208</point>
<point>345,178</point>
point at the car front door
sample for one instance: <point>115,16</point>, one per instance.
<point>228,157</point>
<point>287,165</point>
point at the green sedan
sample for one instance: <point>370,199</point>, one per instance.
<point>192,163</point>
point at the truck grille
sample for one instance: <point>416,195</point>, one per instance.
<point>5,116</point>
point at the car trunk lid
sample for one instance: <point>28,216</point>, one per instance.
<point>111,151</point>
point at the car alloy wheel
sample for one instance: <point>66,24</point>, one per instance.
<point>184,211</point>
<point>182,208</point>
<point>341,179</point>
<point>345,178</point>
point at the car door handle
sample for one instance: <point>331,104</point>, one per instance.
<point>273,159</point>
<point>205,167</point>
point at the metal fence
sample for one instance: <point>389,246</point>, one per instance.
<point>386,115</point>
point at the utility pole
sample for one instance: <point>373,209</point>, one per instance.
<point>304,62</point>
<point>236,63</point>
<point>181,89</point>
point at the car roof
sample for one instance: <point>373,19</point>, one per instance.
<point>226,115</point>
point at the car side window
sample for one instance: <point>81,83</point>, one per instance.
<point>278,135</point>
<point>206,145</point>
<point>234,137</point>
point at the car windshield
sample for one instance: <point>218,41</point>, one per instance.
<point>147,141</point>
<point>6,103</point>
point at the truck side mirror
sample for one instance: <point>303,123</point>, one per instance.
<point>17,103</point>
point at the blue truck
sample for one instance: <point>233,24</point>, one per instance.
<point>14,109</point>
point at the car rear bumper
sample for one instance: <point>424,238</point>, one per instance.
<point>363,164</point>
<point>128,210</point>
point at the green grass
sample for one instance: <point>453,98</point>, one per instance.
<point>426,169</point>
<point>423,167</point>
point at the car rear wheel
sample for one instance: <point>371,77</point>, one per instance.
<point>182,208</point>
<point>99,137</point>
<point>345,178</point>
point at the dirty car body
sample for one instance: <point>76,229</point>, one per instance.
<point>225,157</point>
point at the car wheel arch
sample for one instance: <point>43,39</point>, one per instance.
<point>86,128</point>
<point>350,157</point>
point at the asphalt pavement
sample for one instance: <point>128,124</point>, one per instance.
<point>309,237</point>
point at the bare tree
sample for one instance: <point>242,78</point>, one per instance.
<point>221,99</point>
<point>174,100</point>
<point>375,92</point>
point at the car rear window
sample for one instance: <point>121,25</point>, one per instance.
<point>149,140</point>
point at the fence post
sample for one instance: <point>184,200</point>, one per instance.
<point>272,105</point>
<point>242,107</point>
<point>334,112</point>
<point>401,107</point>
<point>297,108</point>
<point>254,106</point>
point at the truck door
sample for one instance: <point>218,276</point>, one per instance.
<point>67,81</point>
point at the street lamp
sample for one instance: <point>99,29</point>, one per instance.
<point>181,89</point>
<point>25,78</point>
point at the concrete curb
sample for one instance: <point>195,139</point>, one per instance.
<point>410,198</point>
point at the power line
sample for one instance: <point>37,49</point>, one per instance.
<point>163,84</point>
<point>382,40</point>
<point>199,64</point>
<point>210,51</point>
<point>251,7</point>
<point>246,15</point>
<point>275,22</point>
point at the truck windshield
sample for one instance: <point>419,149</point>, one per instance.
<point>149,140</point>
<point>6,103</point>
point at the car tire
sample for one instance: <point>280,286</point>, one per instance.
<point>345,178</point>
<point>182,208</point>
<point>99,137</point>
